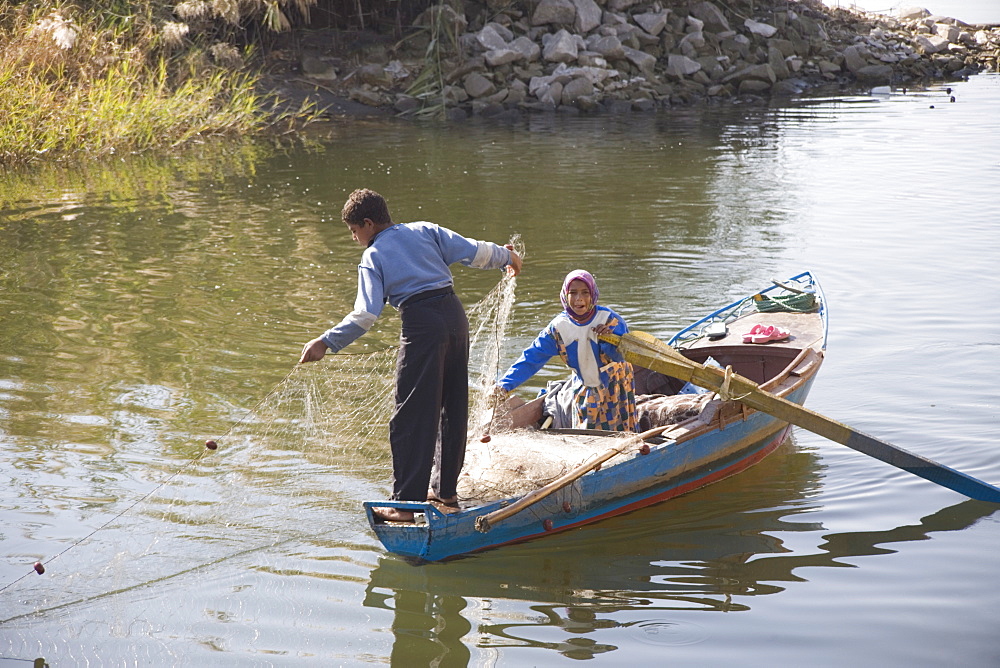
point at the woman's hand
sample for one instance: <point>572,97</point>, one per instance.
<point>603,329</point>
<point>498,397</point>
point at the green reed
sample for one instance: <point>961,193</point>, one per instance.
<point>76,85</point>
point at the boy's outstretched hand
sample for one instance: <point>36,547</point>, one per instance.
<point>514,268</point>
<point>313,351</point>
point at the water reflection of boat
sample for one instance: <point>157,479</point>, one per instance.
<point>721,438</point>
<point>696,554</point>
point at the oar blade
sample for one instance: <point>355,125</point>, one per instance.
<point>923,467</point>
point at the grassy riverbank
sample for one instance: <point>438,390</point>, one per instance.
<point>79,83</point>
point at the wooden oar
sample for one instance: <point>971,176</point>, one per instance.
<point>648,351</point>
<point>485,522</point>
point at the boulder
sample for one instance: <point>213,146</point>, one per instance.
<point>681,66</point>
<point>588,16</point>
<point>608,46</point>
<point>949,32</point>
<point>854,58</point>
<point>874,74</point>
<point>562,12</point>
<point>711,16</point>
<point>758,28</point>
<point>476,85</point>
<point>490,39</point>
<point>753,87</point>
<point>505,56</point>
<point>551,95</point>
<point>930,43</point>
<point>642,60</point>
<point>652,22</point>
<point>691,44</point>
<point>753,72</point>
<point>529,50</point>
<point>575,89</point>
<point>560,47</point>
<point>777,62</point>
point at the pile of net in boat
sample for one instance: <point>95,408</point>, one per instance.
<point>517,462</point>
<point>521,461</point>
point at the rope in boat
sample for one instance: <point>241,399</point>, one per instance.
<point>804,302</point>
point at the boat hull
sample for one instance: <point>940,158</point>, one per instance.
<point>667,471</point>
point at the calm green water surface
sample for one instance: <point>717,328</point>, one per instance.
<point>149,304</point>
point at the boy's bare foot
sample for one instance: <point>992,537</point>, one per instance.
<point>451,501</point>
<point>393,514</point>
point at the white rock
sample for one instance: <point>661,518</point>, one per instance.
<point>930,43</point>
<point>758,28</point>
<point>652,22</point>
<point>949,32</point>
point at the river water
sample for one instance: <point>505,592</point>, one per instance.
<point>154,302</point>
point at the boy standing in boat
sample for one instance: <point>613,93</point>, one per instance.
<point>407,265</point>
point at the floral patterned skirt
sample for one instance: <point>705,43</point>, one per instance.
<point>610,407</point>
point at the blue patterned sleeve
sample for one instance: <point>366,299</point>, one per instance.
<point>534,357</point>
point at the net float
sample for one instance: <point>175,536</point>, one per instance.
<point>211,445</point>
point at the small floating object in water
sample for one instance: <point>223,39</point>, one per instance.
<point>39,568</point>
<point>486,439</point>
<point>211,445</point>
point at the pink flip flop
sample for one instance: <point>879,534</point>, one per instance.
<point>748,337</point>
<point>770,333</point>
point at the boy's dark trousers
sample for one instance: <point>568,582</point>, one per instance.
<point>432,395</point>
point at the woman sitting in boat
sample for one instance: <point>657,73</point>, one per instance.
<point>601,392</point>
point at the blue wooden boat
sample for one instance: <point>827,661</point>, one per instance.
<point>723,438</point>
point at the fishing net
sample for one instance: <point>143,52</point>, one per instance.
<point>520,461</point>
<point>337,410</point>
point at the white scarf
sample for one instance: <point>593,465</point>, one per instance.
<point>584,335</point>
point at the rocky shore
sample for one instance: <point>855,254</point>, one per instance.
<point>599,56</point>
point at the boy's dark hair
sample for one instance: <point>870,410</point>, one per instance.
<point>364,203</point>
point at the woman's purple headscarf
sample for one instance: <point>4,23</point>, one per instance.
<point>578,275</point>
